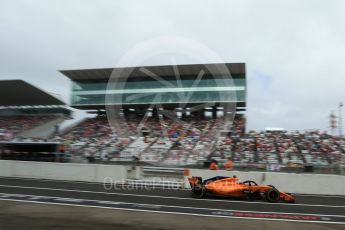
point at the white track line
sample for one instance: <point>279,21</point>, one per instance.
<point>169,197</point>
<point>325,196</point>
<point>181,213</point>
<point>168,187</point>
<point>171,206</point>
<point>42,179</point>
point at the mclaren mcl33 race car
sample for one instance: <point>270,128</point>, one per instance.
<point>232,187</point>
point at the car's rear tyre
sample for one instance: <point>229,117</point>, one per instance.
<point>198,192</point>
<point>272,195</point>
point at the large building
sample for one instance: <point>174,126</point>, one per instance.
<point>209,86</point>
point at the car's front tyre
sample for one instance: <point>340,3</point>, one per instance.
<point>272,195</point>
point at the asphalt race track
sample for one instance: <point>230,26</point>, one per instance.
<point>325,210</point>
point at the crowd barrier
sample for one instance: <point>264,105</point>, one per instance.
<point>322,184</point>
<point>60,171</point>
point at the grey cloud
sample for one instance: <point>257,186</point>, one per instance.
<point>299,44</point>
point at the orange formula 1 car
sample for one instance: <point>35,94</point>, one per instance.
<point>231,187</point>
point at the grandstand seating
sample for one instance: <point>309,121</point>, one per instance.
<point>12,126</point>
<point>195,140</point>
<point>187,142</point>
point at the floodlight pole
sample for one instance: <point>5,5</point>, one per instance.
<point>341,135</point>
<point>333,123</point>
<point>340,122</point>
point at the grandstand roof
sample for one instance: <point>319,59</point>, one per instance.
<point>21,93</point>
<point>162,71</point>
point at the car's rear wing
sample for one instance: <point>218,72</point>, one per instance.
<point>194,181</point>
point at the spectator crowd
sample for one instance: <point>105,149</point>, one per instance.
<point>13,126</point>
<point>187,141</point>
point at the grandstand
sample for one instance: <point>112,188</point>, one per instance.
<point>174,130</point>
<point>188,137</point>
<point>28,112</point>
<point>183,137</point>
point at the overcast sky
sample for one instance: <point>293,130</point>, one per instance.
<point>294,49</point>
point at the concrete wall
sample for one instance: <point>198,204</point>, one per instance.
<point>287,182</point>
<point>60,171</point>
<point>6,168</point>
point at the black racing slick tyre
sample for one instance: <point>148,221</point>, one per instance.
<point>272,195</point>
<point>198,192</point>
